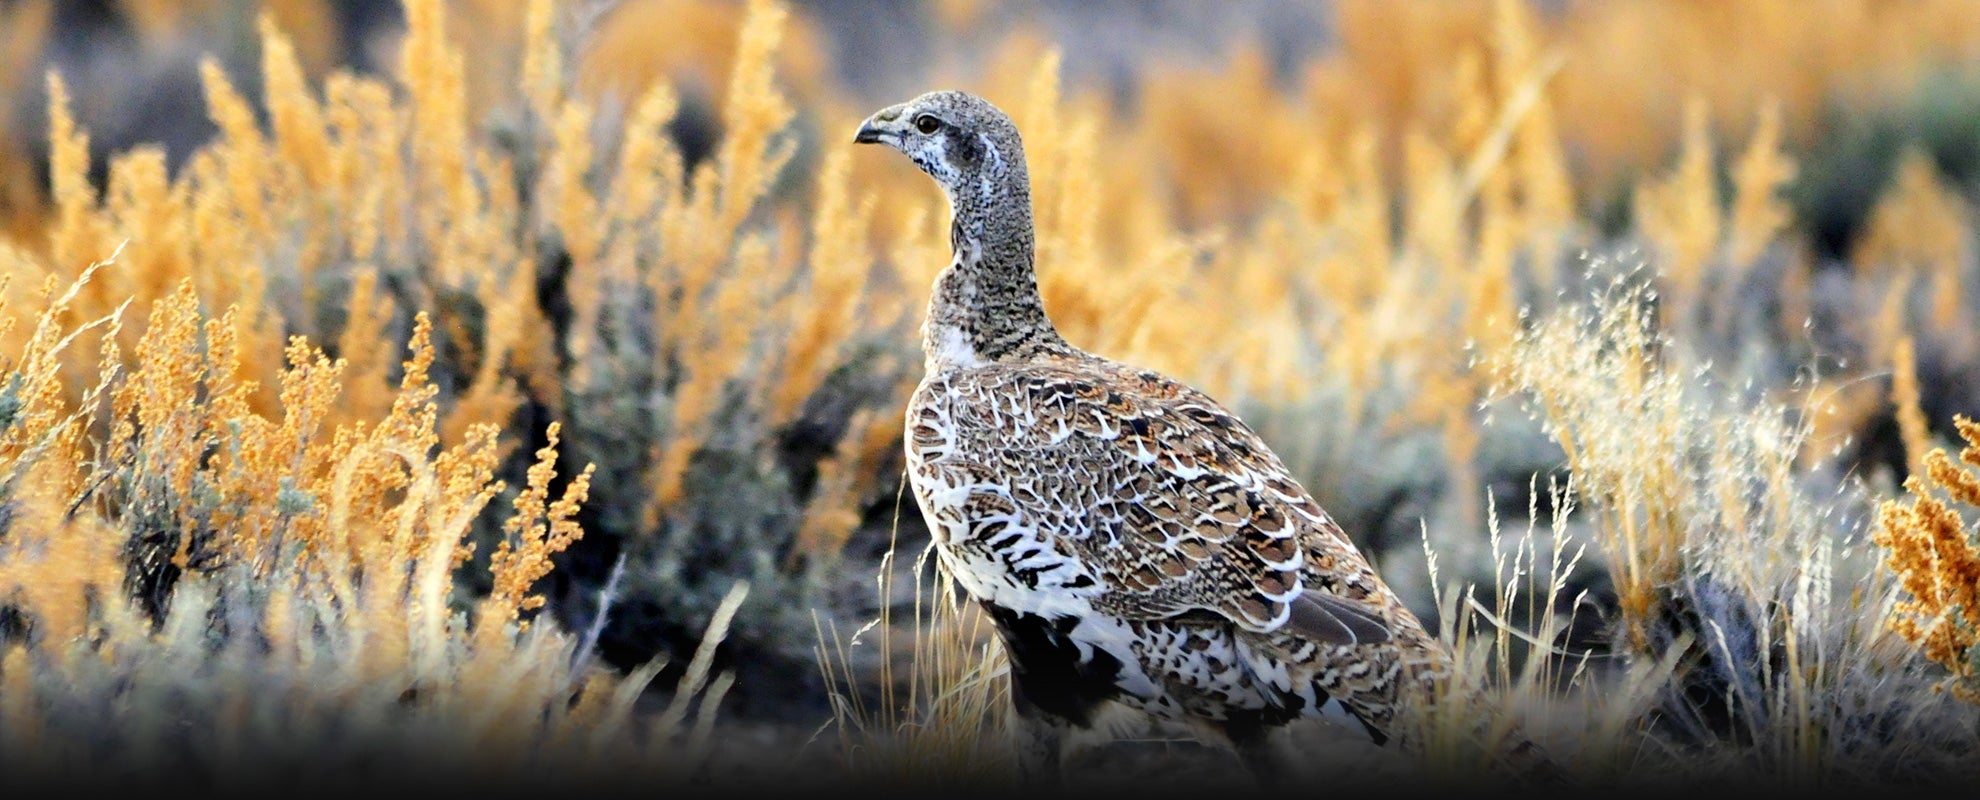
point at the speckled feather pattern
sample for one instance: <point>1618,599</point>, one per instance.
<point>1136,542</point>
<point>1064,483</point>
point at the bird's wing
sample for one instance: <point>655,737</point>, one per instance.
<point>1177,505</point>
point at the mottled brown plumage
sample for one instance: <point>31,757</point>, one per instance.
<point>1137,544</point>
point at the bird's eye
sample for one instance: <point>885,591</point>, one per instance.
<point>927,123</point>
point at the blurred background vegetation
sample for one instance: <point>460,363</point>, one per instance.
<point>641,245</point>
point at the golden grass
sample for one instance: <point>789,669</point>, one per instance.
<point>293,394</point>
<point>1938,563</point>
<point>334,544</point>
<point>1516,681</point>
<point>1725,567</point>
<point>944,721</point>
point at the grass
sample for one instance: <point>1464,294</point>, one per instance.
<point>942,722</point>
<point>439,413</point>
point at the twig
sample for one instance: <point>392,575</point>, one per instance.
<point>588,644</point>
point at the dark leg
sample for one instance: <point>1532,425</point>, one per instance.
<point>1266,758</point>
<point>1038,742</point>
<point>1054,687</point>
<point>1264,749</point>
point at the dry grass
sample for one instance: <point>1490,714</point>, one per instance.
<point>284,585</point>
<point>1938,564</point>
<point>335,447</point>
<point>941,723</point>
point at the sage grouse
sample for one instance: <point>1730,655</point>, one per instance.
<point>1137,545</point>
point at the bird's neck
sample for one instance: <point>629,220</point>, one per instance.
<point>985,306</point>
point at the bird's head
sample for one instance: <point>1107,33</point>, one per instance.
<point>966,144</point>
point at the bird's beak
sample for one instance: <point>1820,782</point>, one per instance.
<point>876,127</point>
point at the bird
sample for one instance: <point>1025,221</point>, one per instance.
<point>1139,548</point>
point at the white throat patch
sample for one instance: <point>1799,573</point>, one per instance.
<point>952,348</point>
